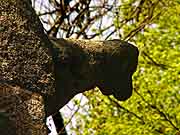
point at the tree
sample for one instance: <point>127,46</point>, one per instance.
<point>152,26</point>
<point>31,69</point>
<point>26,69</point>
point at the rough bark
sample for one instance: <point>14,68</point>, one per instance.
<point>25,68</point>
<point>25,56</point>
<point>21,111</point>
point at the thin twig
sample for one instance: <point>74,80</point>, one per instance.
<point>120,106</point>
<point>59,132</point>
<point>158,110</point>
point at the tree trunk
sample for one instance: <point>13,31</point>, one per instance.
<point>26,69</point>
<point>37,77</point>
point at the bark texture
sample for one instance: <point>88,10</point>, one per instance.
<point>24,55</point>
<point>26,69</point>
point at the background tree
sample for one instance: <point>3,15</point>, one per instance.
<point>153,26</point>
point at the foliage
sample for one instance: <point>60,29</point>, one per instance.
<point>155,105</point>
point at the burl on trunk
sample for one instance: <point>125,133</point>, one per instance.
<point>81,65</point>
